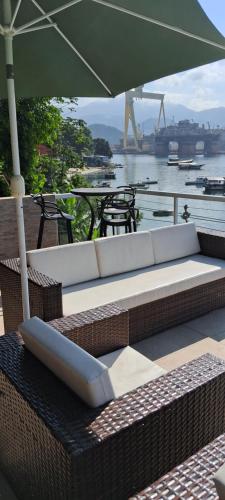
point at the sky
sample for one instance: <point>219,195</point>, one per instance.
<point>200,88</point>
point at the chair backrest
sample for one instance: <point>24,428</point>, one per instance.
<point>122,200</point>
<point>48,208</point>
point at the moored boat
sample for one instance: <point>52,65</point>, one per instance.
<point>102,184</point>
<point>200,181</point>
<point>214,184</point>
<point>163,213</point>
<point>173,160</point>
<point>190,166</point>
<point>138,184</point>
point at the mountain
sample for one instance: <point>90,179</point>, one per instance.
<point>110,112</point>
<point>110,134</point>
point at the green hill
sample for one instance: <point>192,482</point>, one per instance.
<point>110,134</point>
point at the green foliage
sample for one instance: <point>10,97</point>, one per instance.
<point>41,122</point>
<point>38,123</point>
<point>102,148</point>
<point>79,209</point>
<point>75,135</point>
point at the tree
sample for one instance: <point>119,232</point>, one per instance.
<point>102,148</point>
<point>38,123</point>
<point>76,135</point>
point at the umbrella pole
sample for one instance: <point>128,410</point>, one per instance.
<point>17,181</point>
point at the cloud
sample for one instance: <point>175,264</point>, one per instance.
<point>199,88</point>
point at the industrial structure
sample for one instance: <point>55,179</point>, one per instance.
<point>138,93</point>
<point>188,138</point>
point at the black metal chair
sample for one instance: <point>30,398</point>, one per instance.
<point>118,211</point>
<point>51,212</point>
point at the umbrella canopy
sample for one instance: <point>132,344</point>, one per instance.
<point>94,48</point>
<point>101,48</point>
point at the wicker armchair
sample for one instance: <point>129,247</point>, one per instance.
<point>144,320</point>
<point>53,446</point>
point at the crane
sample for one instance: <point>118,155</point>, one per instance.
<point>138,93</point>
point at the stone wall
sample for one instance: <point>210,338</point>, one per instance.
<point>8,227</point>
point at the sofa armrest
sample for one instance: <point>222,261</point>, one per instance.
<point>45,295</point>
<point>98,331</point>
<point>212,243</point>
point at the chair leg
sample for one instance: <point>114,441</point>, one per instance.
<point>69,231</point>
<point>40,234</point>
<point>135,225</point>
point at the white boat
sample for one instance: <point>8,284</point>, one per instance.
<point>186,161</point>
<point>190,166</point>
<point>103,184</point>
<point>173,160</point>
<point>200,181</point>
<point>214,184</point>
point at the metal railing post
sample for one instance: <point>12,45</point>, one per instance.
<point>175,210</point>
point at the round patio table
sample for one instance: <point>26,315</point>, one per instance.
<point>87,193</point>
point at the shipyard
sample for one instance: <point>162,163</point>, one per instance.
<point>184,138</point>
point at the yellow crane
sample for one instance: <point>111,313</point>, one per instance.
<point>138,93</point>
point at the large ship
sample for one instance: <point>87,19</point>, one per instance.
<point>187,138</point>
<point>184,139</point>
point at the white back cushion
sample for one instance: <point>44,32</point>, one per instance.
<point>83,373</point>
<point>67,264</point>
<point>127,252</point>
<point>174,242</point>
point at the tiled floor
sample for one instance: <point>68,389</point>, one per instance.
<point>178,345</point>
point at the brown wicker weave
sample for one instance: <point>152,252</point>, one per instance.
<point>98,331</point>
<point>45,295</point>
<point>53,447</point>
<point>191,480</point>
<point>145,320</point>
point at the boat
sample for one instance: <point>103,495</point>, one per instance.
<point>186,161</point>
<point>138,184</point>
<point>110,174</point>
<point>190,166</point>
<point>200,181</point>
<point>163,213</point>
<point>102,184</point>
<point>214,184</point>
<point>173,160</point>
<point>148,181</point>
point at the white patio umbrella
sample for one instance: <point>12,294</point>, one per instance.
<point>94,48</point>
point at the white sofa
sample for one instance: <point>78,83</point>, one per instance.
<point>159,278</point>
<point>131,269</point>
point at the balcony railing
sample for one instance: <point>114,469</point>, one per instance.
<point>206,210</point>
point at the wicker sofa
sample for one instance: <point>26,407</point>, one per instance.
<point>161,277</point>
<point>54,447</point>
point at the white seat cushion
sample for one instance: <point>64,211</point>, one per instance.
<point>219,480</point>
<point>126,252</point>
<point>96,381</point>
<point>83,373</point>
<point>143,286</point>
<point>128,369</point>
<point>67,264</point>
<point>174,242</point>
